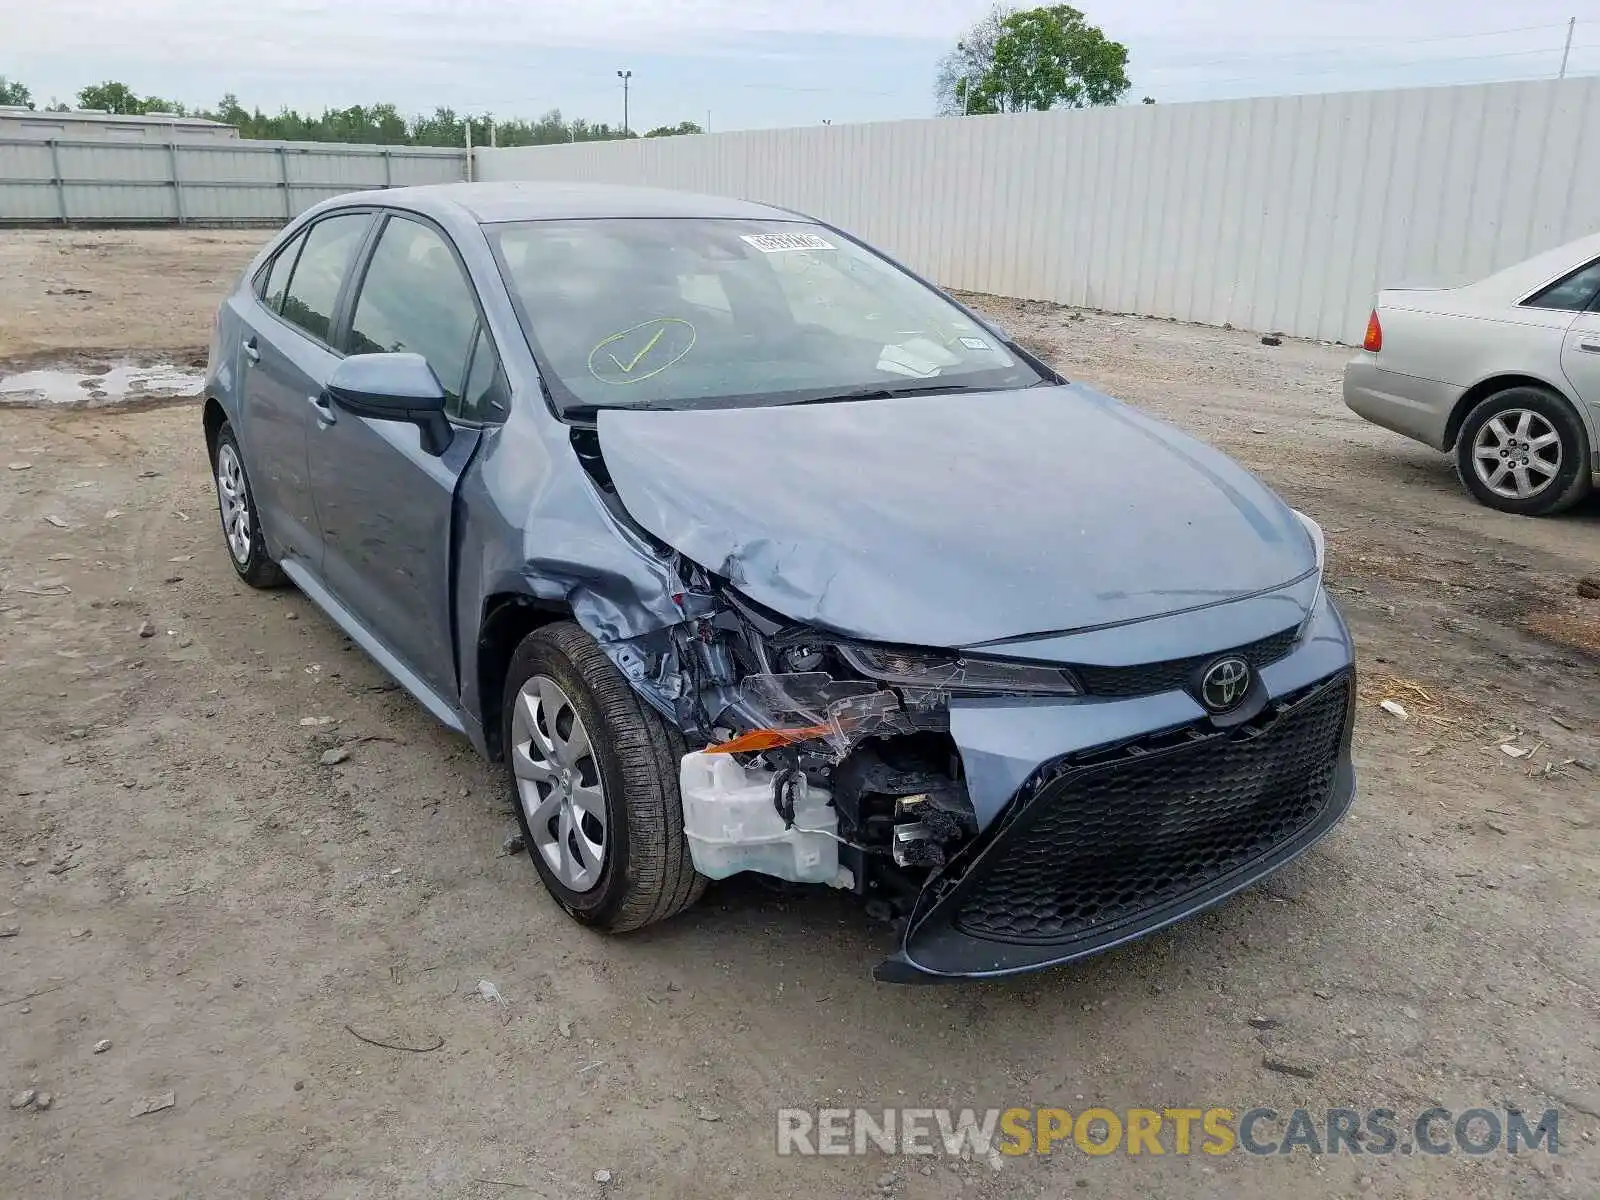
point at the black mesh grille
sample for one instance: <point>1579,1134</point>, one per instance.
<point>1107,842</point>
<point>1147,679</point>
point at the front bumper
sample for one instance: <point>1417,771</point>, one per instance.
<point>1112,841</point>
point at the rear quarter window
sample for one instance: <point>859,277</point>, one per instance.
<point>272,282</point>
<point>1574,293</point>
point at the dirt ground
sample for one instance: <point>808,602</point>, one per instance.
<point>188,881</point>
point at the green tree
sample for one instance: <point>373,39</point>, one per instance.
<point>682,127</point>
<point>112,96</point>
<point>1051,58</point>
<point>155,104</point>
<point>12,92</point>
<point>370,124</point>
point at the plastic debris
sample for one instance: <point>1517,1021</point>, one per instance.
<point>153,1104</point>
<point>1514,751</point>
<point>102,1045</point>
<point>602,1176</point>
<point>332,758</point>
<point>1393,708</point>
<point>489,992</point>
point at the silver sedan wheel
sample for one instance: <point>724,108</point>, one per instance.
<point>234,501</point>
<point>1517,453</point>
<point>558,783</point>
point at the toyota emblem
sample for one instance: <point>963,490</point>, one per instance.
<point>1224,684</point>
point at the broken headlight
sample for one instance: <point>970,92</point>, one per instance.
<point>959,673</point>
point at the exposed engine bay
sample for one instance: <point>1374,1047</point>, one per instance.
<point>837,763</point>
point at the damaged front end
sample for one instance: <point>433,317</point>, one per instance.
<point>871,769</point>
<point>826,761</point>
<point>1044,798</point>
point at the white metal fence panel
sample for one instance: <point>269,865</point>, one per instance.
<point>1281,213</point>
<point>67,181</point>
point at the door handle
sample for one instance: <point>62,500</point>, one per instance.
<point>251,351</point>
<point>324,408</point>
<point>1591,347</point>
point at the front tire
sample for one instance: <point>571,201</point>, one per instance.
<point>594,780</point>
<point>1524,451</point>
<point>241,524</point>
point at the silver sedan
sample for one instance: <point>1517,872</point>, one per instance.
<point>1504,372</point>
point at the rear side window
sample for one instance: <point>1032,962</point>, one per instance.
<point>1574,293</point>
<point>416,298</point>
<point>319,273</point>
<point>276,277</point>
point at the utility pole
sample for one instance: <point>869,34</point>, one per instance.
<point>1567,51</point>
<point>624,76</point>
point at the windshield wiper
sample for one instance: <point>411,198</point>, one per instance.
<point>883,392</point>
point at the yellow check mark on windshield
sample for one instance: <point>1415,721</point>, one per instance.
<point>627,367</point>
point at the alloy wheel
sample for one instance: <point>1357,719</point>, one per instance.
<point>558,783</point>
<point>234,501</point>
<point>1517,453</point>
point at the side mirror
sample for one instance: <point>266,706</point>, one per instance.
<point>394,387</point>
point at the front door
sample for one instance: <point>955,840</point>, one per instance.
<point>384,504</point>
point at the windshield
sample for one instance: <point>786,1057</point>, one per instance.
<point>673,313</point>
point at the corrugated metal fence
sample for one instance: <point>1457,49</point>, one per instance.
<point>245,182</point>
<point>1284,213</point>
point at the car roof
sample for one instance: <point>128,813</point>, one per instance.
<point>492,203</point>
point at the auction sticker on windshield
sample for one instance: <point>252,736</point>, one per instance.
<point>775,243</point>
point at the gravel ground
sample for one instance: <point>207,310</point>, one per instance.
<point>189,881</point>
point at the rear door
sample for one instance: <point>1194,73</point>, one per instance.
<point>383,502</point>
<point>287,360</point>
<point>1580,360</point>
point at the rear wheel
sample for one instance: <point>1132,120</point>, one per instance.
<point>594,780</point>
<point>1524,451</point>
<point>241,530</point>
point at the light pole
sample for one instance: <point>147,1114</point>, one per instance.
<point>624,76</point>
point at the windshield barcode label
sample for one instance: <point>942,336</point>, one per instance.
<point>774,243</point>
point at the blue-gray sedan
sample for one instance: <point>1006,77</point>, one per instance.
<point>745,550</point>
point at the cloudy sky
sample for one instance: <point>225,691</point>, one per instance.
<point>748,63</point>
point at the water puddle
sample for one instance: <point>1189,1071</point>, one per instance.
<point>122,383</point>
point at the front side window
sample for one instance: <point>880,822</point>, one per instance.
<point>415,298</point>
<point>482,399</point>
<point>320,270</point>
<point>1574,293</point>
<point>661,313</point>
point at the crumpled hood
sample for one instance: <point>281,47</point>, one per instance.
<point>951,520</point>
